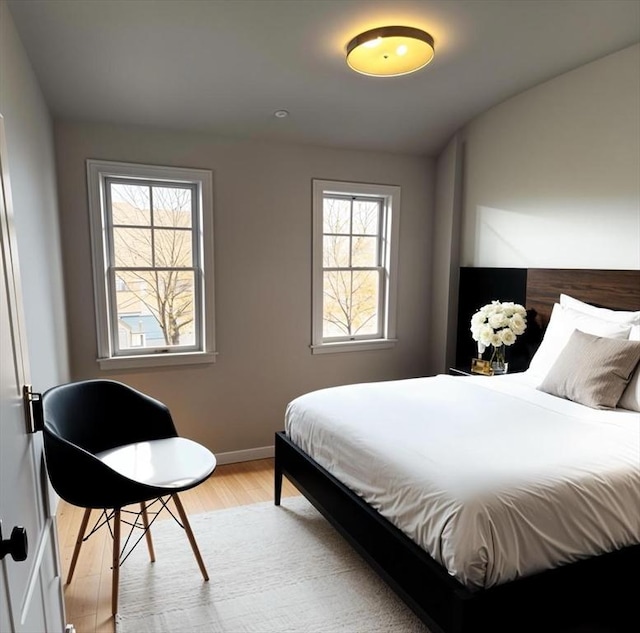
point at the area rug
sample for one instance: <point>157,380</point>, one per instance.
<point>272,570</point>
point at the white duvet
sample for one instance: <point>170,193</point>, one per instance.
<point>494,479</point>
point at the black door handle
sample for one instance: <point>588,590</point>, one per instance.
<point>16,545</point>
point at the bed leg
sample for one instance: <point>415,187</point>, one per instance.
<point>277,485</point>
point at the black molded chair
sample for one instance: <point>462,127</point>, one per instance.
<point>108,446</point>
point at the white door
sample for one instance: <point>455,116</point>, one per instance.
<point>31,597</point>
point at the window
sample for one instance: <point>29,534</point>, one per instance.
<point>152,239</point>
<point>355,245</point>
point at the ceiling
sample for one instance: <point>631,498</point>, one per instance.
<point>224,66</point>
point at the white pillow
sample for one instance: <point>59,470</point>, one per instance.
<point>631,395</point>
<point>562,323</point>
<point>614,316</point>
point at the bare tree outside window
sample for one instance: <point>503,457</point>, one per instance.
<point>351,266</point>
<point>154,267</point>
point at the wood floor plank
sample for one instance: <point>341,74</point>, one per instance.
<point>85,623</point>
<point>81,597</point>
<point>88,596</point>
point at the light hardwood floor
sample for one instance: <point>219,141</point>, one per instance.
<point>88,596</point>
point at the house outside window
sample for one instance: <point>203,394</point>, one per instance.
<point>355,252</point>
<point>152,239</point>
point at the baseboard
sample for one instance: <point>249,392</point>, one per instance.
<point>233,457</point>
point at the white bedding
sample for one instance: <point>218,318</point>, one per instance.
<point>494,479</point>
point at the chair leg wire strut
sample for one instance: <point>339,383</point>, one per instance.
<point>140,522</point>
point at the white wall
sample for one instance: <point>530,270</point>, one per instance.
<point>552,176</point>
<point>262,217</point>
<point>33,182</point>
<point>547,179</point>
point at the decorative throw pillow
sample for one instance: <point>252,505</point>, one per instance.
<point>593,370</point>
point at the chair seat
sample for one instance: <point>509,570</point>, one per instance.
<point>174,462</point>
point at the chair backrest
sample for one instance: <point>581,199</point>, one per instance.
<point>97,415</point>
<point>86,417</point>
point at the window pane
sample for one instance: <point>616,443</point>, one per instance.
<point>132,247</point>
<point>173,248</point>
<point>172,207</point>
<point>336,303</point>
<point>336,217</point>
<point>366,217</point>
<point>155,309</point>
<point>350,303</point>
<point>365,289</point>
<point>364,251</point>
<point>130,204</point>
<point>336,251</point>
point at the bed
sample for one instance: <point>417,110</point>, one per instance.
<point>531,523</point>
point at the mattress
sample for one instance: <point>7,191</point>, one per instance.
<point>493,478</point>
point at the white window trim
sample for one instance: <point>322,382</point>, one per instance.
<point>97,172</point>
<point>391,196</point>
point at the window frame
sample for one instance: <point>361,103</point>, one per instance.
<point>388,260</point>
<point>99,175</point>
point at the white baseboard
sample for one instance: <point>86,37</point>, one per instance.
<point>232,457</point>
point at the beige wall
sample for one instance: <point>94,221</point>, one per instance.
<point>445,258</point>
<point>32,174</point>
<point>262,216</point>
<point>552,176</point>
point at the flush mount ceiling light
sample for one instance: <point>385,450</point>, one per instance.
<point>389,51</point>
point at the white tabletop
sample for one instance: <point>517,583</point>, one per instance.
<point>173,462</point>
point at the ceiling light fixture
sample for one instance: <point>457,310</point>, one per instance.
<point>389,51</point>
<point>281,114</point>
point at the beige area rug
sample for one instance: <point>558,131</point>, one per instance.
<point>272,570</point>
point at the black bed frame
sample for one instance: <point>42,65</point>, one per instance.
<point>594,595</point>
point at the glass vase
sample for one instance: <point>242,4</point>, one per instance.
<point>499,365</point>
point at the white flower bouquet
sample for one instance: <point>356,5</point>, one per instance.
<point>497,325</point>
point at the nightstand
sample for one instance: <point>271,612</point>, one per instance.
<point>456,371</point>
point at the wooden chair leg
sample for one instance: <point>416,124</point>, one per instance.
<point>76,549</point>
<point>192,540</point>
<point>147,532</point>
<point>115,561</point>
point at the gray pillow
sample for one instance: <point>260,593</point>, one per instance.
<point>592,370</point>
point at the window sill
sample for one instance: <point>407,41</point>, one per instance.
<point>157,360</point>
<point>353,346</point>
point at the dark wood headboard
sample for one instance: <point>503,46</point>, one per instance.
<point>538,289</point>
<point>615,289</point>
